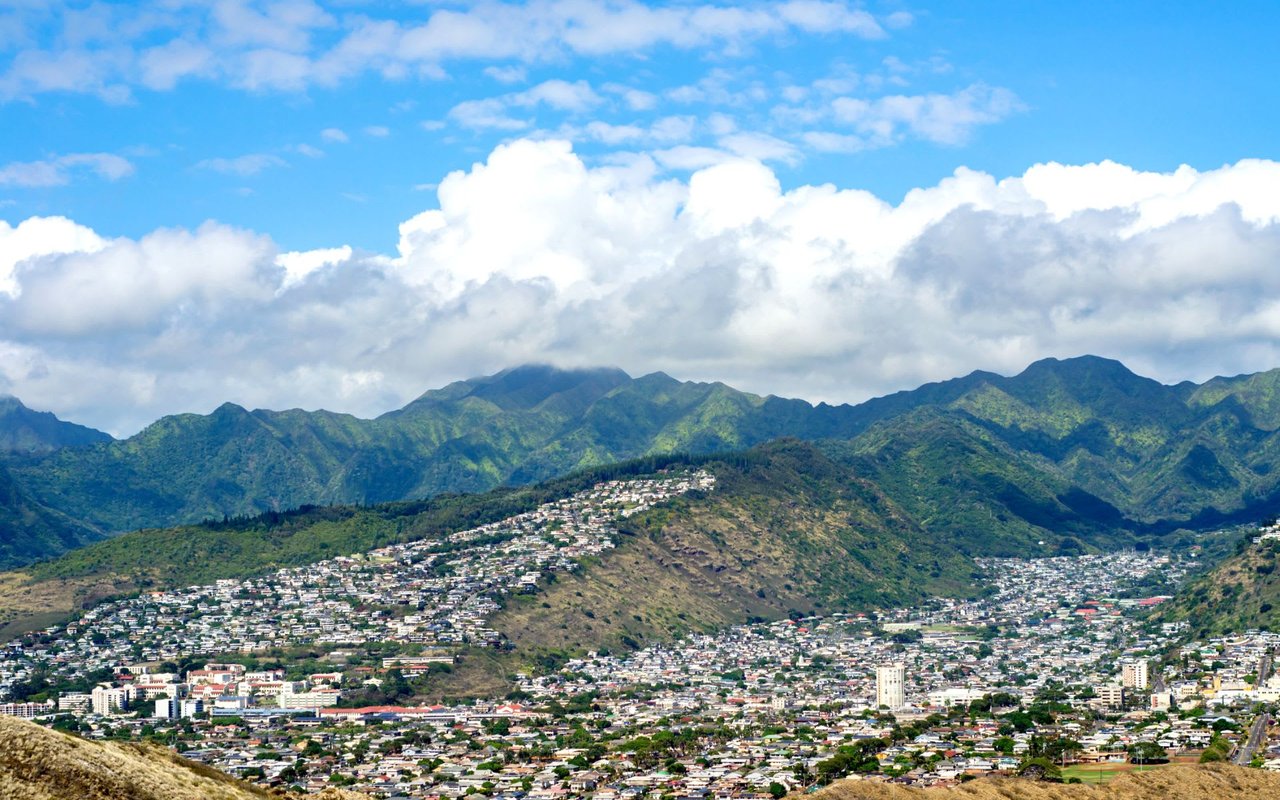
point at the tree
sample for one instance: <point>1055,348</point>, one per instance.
<point>1039,769</point>
<point>1060,749</point>
<point>777,790</point>
<point>1147,753</point>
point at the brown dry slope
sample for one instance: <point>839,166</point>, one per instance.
<point>1199,782</point>
<point>40,764</point>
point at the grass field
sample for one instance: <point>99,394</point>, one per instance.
<point>1107,771</point>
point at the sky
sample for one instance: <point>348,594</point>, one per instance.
<point>343,204</point>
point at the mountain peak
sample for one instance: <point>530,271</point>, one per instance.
<point>25,431</point>
<point>1075,365</point>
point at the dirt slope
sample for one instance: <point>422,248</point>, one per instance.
<point>1200,782</point>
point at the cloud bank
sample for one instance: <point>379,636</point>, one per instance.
<point>533,255</point>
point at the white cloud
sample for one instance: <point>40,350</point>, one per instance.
<point>40,236</point>
<point>512,73</point>
<point>492,112</point>
<point>299,264</point>
<point>532,255</point>
<point>164,65</point>
<point>244,166</point>
<point>334,135</point>
<point>662,131</point>
<point>760,146</point>
<point>576,96</point>
<point>125,285</point>
<point>58,171</point>
<point>636,99</point>
<point>291,45</point>
<point>940,118</point>
<point>818,16</point>
<point>377,131</point>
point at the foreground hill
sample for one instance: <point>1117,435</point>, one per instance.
<point>1082,446</point>
<point>40,764</point>
<point>1200,782</point>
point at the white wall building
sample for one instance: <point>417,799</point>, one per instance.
<point>108,700</point>
<point>1133,675</point>
<point>889,685</point>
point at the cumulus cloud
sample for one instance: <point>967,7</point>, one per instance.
<point>816,291</point>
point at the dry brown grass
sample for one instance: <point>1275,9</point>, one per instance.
<point>1198,782</point>
<point>26,604</point>
<point>40,764</point>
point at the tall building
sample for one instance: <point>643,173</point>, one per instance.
<point>1110,695</point>
<point>191,708</point>
<point>889,681</point>
<point>1133,674</point>
<point>108,700</point>
<point>168,708</point>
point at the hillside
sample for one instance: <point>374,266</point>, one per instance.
<point>1241,593</point>
<point>787,530</point>
<point>40,764</point>
<point>1200,782</point>
<point>1081,446</point>
<point>192,554</point>
<point>27,527</point>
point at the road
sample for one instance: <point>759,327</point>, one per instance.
<point>1257,736</point>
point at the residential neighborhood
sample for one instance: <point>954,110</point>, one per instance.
<point>1055,661</point>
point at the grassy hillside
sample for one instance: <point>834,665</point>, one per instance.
<point>1241,593</point>
<point>976,492</point>
<point>40,764</point>
<point>239,547</point>
<point>787,530</point>
<point>1199,782</point>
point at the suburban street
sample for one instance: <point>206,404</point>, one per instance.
<point>1257,736</point>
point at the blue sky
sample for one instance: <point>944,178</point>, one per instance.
<point>161,160</point>
<point>1132,82</point>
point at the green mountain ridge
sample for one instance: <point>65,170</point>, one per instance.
<point>25,431</point>
<point>1148,458</point>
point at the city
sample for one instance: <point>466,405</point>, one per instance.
<point>1055,662</point>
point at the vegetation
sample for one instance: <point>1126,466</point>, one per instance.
<point>1081,447</point>
<point>1242,593</point>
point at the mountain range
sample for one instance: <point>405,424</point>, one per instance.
<point>1065,452</point>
